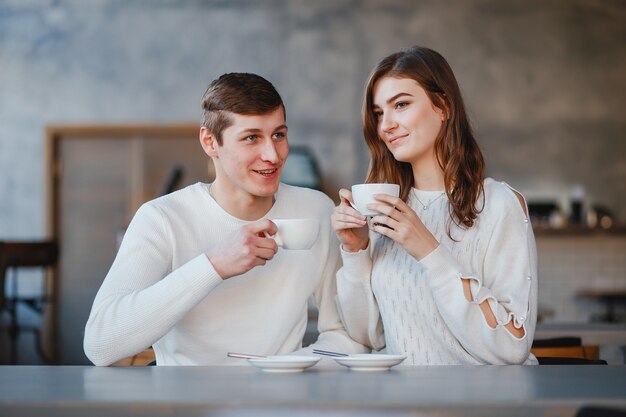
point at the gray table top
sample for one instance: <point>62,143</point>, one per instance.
<point>247,391</point>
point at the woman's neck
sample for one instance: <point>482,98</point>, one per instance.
<point>428,176</point>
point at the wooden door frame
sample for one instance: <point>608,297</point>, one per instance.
<point>54,135</point>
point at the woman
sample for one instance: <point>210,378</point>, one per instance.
<point>446,274</point>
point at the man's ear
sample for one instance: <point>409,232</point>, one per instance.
<point>208,142</point>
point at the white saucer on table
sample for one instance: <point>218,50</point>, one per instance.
<point>284,363</point>
<point>370,362</point>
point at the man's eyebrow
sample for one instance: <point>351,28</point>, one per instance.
<point>397,96</point>
<point>257,130</point>
<point>250,130</point>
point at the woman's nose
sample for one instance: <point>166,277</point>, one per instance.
<point>387,123</point>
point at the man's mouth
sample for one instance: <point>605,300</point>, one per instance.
<point>266,172</point>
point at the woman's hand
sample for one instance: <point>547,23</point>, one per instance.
<point>400,223</point>
<point>349,225</point>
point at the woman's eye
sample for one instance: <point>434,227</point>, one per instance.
<point>401,104</point>
<point>377,114</point>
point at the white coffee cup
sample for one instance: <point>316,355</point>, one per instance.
<point>363,194</point>
<point>296,233</point>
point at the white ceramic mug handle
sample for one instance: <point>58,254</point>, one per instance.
<point>357,209</point>
<point>353,205</point>
<point>276,238</point>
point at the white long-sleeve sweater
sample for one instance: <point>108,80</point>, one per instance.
<point>162,291</point>
<point>424,312</point>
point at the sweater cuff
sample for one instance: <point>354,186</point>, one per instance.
<point>357,265</point>
<point>201,273</point>
<point>440,266</point>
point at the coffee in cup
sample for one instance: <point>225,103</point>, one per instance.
<point>296,233</point>
<point>363,194</point>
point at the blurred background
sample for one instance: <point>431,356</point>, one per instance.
<point>100,107</point>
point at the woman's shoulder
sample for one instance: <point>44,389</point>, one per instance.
<point>501,197</point>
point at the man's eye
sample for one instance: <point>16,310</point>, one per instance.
<point>279,135</point>
<point>250,138</point>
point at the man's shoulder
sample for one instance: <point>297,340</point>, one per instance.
<point>180,199</point>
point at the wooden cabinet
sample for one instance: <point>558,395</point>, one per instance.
<point>97,177</point>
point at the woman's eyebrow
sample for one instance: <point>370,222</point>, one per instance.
<point>397,96</point>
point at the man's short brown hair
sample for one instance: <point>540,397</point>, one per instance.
<point>241,93</point>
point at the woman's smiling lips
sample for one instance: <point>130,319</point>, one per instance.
<point>393,139</point>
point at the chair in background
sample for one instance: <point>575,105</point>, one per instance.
<point>600,411</point>
<point>18,255</point>
<point>566,351</point>
<point>145,358</point>
<point>548,360</point>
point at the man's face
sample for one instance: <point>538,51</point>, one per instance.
<point>253,152</point>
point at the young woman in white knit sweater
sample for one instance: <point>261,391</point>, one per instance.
<point>447,272</point>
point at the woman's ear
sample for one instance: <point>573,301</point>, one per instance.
<point>441,113</point>
<point>442,107</point>
<point>208,142</point>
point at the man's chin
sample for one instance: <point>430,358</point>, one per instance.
<point>266,190</point>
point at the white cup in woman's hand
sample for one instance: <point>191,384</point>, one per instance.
<point>363,194</point>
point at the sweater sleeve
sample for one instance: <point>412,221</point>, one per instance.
<point>141,298</point>
<point>507,282</point>
<point>332,333</point>
<point>357,304</point>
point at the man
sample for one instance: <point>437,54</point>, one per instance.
<point>196,277</point>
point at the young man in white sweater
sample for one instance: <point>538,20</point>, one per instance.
<point>195,276</point>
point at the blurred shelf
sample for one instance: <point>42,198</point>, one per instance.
<point>579,231</point>
<point>590,333</point>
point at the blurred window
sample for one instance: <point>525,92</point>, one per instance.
<point>301,169</point>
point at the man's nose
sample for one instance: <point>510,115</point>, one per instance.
<point>269,152</point>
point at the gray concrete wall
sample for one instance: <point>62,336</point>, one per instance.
<point>544,81</point>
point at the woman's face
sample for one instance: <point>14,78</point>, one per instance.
<point>407,121</point>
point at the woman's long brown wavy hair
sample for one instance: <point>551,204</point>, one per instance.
<point>456,149</point>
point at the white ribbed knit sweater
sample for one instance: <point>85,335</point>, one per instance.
<point>162,291</point>
<point>425,314</point>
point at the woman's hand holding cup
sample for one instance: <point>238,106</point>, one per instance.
<point>349,224</point>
